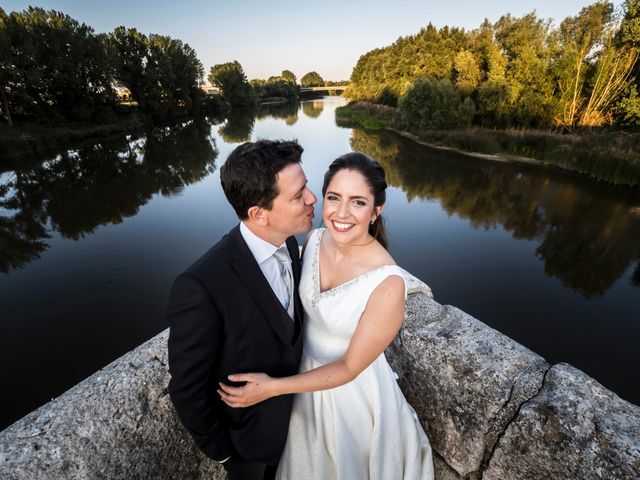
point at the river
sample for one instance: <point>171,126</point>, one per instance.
<point>92,238</point>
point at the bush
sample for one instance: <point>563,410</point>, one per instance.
<point>388,97</point>
<point>434,105</point>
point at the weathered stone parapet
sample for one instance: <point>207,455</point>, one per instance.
<point>574,428</point>
<point>495,410</point>
<point>465,380</point>
<point>117,424</point>
<point>492,409</point>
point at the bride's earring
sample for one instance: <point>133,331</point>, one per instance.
<point>373,221</point>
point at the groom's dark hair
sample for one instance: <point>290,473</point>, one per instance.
<point>249,176</point>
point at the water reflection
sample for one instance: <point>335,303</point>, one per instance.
<point>313,108</point>
<point>98,184</point>
<point>23,233</point>
<point>287,111</point>
<point>238,127</point>
<point>588,234</point>
<point>239,124</point>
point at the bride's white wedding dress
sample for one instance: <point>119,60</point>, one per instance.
<point>364,429</point>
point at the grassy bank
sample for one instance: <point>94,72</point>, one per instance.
<point>366,115</point>
<point>610,156</point>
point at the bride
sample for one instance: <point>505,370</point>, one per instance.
<point>350,420</point>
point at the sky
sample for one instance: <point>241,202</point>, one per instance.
<point>269,36</point>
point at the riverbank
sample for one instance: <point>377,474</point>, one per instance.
<point>608,156</point>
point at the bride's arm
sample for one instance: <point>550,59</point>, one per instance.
<point>376,329</point>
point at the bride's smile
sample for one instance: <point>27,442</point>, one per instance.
<point>348,208</point>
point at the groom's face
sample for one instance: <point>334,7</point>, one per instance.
<point>292,210</point>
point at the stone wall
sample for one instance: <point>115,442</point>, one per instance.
<point>492,409</point>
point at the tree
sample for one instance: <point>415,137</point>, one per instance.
<point>161,73</point>
<point>53,66</point>
<point>466,72</point>
<point>628,36</point>
<point>289,76</point>
<point>434,105</point>
<point>526,45</point>
<point>312,79</point>
<point>629,33</point>
<point>130,49</point>
<point>232,81</point>
<point>579,36</point>
<point>5,68</point>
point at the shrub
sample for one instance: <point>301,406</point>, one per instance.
<point>434,105</point>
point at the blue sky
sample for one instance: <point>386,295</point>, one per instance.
<point>267,37</point>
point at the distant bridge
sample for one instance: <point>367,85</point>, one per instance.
<point>339,88</point>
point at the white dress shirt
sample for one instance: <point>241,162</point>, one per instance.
<point>263,253</point>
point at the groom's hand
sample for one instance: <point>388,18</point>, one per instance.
<point>257,389</point>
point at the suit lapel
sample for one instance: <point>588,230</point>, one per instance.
<point>256,284</point>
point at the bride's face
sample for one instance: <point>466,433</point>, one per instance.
<point>348,207</point>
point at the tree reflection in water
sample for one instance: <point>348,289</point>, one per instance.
<point>313,108</point>
<point>287,111</point>
<point>239,124</point>
<point>587,241</point>
<point>98,184</point>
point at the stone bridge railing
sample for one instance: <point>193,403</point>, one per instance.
<point>492,409</point>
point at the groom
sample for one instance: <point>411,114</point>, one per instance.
<point>237,309</point>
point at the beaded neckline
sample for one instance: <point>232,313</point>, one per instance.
<point>317,292</point>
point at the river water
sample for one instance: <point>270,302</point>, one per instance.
<point>92,237</point>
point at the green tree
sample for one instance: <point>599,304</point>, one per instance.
<point>629,32</point>
<point>54,66</point>
<point>628,36</point>
<point>232,81</point>
<point>5,69</point>
<point>526,44</point>
<point>434,105</point>
<point>289,76</point>
<point>162,74</point>
<point>467,72</point>
<point>312,79</point>
<point>579,37</point>
<point>130,51</point>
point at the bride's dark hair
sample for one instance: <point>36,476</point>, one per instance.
<point>373,174</point>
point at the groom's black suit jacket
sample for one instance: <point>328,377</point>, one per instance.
<point>224,318</point>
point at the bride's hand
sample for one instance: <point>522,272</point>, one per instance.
<point>257,389</point>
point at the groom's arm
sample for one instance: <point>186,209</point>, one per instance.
<point>195,342</point>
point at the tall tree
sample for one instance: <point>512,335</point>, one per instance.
<point>289,76</point>
<point>525,42</point>
<point>161,73</point>
<point>628,37</point>
<point>312,79</point>
<point>130,50</point>
<point>231,80</point>
<point>466,71</point>
<point>5,67</point>
<point>54,65</point>
<point>580,37</point>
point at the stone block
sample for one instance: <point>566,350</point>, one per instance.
<point>573,429</point>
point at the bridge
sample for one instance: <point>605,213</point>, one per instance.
<point>338,88</point>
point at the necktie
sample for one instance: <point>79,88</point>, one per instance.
<point>286,271</point>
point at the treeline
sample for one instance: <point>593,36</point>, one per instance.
<point>516,72</point>
<point>54,68</point>
<point>238,91</point>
